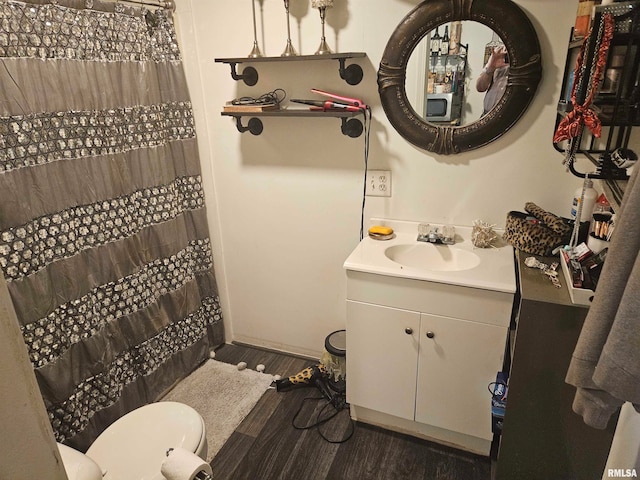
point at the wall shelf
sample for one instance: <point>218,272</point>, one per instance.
<point>351,74</point>
<point>447,72</point>
<point>617,99</point>
<point>351,127</point>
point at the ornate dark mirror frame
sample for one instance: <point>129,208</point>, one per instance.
<point>525,71</point>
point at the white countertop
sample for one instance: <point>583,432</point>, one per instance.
<point>496,269</point>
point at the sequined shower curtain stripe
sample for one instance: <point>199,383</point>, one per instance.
<point>104,240</point>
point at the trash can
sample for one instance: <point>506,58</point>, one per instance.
<point>334,360</point>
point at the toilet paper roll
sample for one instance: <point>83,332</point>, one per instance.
<point>182,464</point>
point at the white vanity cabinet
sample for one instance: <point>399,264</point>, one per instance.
<point>382,361</point>
<point>421,355</point>
<point>456,362</point>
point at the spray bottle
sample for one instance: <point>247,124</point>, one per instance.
<point>585,195</point>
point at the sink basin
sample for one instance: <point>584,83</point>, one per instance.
<point>428,256</point>
<point>459,264</point>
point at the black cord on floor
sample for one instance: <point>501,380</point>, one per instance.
<point>321,421</point>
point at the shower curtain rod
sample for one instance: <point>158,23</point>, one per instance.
<point>169,5</point>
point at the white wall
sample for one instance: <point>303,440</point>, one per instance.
<point>286,206</point>
<point>27,446</point>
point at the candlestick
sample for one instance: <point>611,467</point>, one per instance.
<point>255,52</point>
<point>289,50</point>
<point>322,6</point>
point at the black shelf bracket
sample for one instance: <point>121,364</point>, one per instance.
<point>606,169</point>
<point>254,126</point>
<point>249,75</point>
<point>617,105</point>
<point>352,74</point>
<point>351,127</point>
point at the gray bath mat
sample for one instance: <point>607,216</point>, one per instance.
<point>222,395</point>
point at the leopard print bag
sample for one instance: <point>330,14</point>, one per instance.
<point>537,232</point>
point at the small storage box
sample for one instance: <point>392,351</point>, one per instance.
<point>579,296</point>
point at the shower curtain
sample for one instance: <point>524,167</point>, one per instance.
<point>104,240</point>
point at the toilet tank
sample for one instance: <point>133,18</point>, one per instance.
<point>77,465</point>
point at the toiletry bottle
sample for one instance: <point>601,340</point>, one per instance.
<point>431,81</point>
<point>435,44</point>
<point>440,71</point>
<point>590,196</point>
<point>602,205</point>
<point>444,42</point>
<point>448,77</point>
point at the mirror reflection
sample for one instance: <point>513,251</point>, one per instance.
<point>457,73</point>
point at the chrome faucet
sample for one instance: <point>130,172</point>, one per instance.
<point>431,234</point>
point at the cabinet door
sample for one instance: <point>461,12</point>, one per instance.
<point>458,360</point>
<point>382,358</point>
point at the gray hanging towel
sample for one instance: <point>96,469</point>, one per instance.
<point>605,366</point>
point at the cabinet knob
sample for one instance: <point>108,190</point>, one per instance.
<point>430,334</point>
<point>408,331</point>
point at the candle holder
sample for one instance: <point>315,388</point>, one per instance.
<point>289,50</point>
<point>322,6</point>
<point>255,52</point>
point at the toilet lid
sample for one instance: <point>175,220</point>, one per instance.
<point>135,446</point>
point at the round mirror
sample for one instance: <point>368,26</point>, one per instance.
<point>423,117</point>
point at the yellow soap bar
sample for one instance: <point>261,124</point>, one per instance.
<point>380,230</point>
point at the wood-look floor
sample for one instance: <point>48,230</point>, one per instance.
<point>266,446</point>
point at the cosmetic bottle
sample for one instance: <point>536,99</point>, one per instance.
<point>590,196</point>
<point>602,205</point>
<point>444,42</point>
<point>435,44</point>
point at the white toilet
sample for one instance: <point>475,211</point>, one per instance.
<point>134,446</point>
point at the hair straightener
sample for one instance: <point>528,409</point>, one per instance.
<point>337,102</point>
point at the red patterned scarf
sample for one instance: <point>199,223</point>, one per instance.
<point>571,125</point>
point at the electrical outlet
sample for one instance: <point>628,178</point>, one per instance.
<point>379,183</point>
